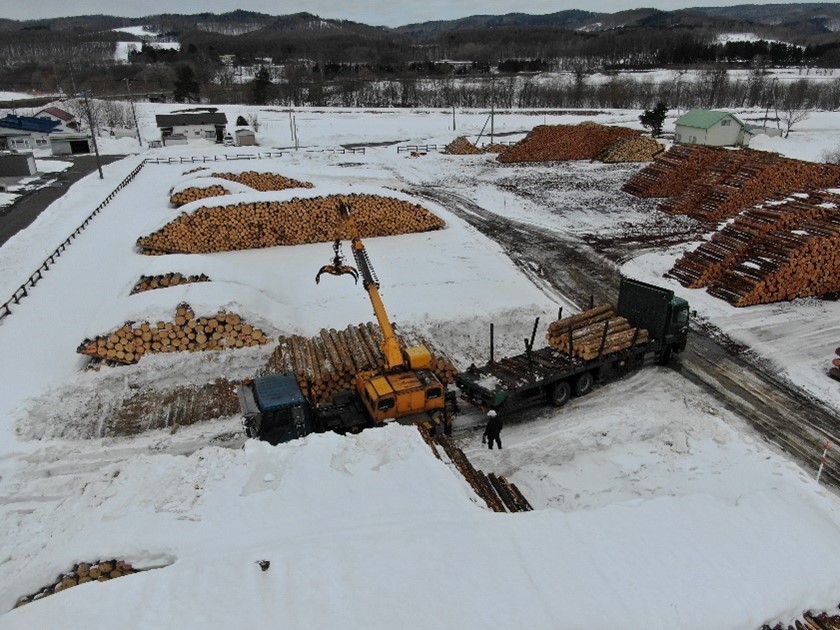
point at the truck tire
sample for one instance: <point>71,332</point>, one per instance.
<point>665,357</point>
<point>560,394</point>
<point>584,383</point>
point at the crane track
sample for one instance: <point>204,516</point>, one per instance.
<point>560,265</point>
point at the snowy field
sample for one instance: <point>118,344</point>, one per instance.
<point>663,511</point>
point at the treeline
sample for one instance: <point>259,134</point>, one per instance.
<point>710,89</point>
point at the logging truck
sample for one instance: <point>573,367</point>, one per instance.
<point>596,345</point>
<point>274,407</point>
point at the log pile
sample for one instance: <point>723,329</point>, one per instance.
<point>796,263</point>
<point>327,364</point>
<point>263,181</point>
<point>130,342</point>
<point>258,181</point>
<point>593,333</point>
<point>640,149</point>
<point>566,142</point>
<point>81,573</point>
<point>194,170</point>
<point>194,193</point>
<point>744,178</point>
<point>673,171</point>
<point>834,370</point>
<point>462,146</point>
<point>294,222</point>
<point>161,281</point>
<point>737,240</point>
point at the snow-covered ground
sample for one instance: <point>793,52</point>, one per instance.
<point>661,510</point>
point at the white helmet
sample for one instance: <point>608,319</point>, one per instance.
<point>491,414</point>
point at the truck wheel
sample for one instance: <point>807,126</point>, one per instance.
<point>561,394</point>
<point>665,357</point>
<point>583,384</point>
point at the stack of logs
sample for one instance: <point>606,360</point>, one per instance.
<point>263,181</point>
<point>738,240</point>
<point>641,149</point>
<point>746,177</point>
<point>171,279</point>
<point>258,181</point>
<point>672,171</point>
<point>129,343</point>
<point>711,184</point>
<point>194,193</point>
<point>594,333</point>
<point>82,573</point>
<point>834,370</point>
<point>327,364</point>
<point>803,262</point>
<point>566,142</point>
<point>462,146</point>
<point>295,222</point>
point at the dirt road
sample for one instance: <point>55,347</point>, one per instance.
<point>781,412</point>
<point>26,209</point>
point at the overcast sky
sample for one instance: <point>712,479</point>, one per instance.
<point>373,12</point>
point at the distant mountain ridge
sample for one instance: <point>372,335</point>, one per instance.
<point>796,19</point>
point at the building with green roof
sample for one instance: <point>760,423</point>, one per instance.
<point>716,129</point>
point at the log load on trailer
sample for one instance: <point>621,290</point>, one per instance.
<point>595,345</point>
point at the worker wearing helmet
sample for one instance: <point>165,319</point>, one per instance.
<point>492,430</point>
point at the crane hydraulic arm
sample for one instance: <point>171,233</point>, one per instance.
<point>391,348</point>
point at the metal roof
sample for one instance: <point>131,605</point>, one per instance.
<point>58,113</point>
<point>201,118</point>
<point>29,123</point>
<point>704,118</point>
<point>277,391</point>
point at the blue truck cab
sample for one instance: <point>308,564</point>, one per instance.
<point>274,408</point>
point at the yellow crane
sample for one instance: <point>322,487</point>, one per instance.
<point>407,388</point>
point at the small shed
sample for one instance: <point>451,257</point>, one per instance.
<point>709,127</point>
<point>17,165</point>
<point>205,125</point>
<point>245,138</point>
<point>71,143</point>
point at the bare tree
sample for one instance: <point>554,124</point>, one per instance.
<point>794,106</point>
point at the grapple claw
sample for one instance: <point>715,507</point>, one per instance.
<point>337,270</point>
<point>337,267</point>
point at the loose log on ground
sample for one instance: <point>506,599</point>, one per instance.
<point>294,222</point>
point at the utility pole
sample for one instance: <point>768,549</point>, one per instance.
<point>492,106</point>
<point>93,135</point>
<point>133,112</point>
<point>453,118</point>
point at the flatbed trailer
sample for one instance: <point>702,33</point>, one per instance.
<point>552,376</point>
<point>544,375</point>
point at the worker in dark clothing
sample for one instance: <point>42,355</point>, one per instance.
<point>492,430</point>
